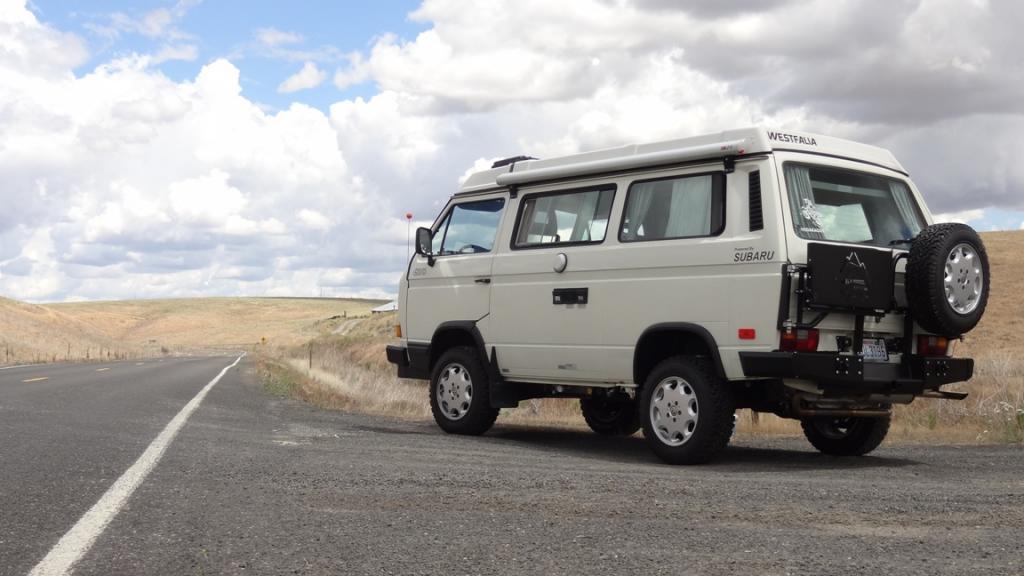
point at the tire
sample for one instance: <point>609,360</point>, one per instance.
<point>696,431</point>
<point>845,436</point>
<point>460,393</point>
<point>610,417</point>
<point>947,279</point>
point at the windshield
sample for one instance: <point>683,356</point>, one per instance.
<point>848,206</point>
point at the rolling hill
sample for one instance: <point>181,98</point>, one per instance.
<point>38,333</point>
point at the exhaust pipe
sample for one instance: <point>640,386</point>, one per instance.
<point>840,411</point>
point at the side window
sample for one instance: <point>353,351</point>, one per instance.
<point>571,217</point>
<point>679,207</point>
<point>469,228</point>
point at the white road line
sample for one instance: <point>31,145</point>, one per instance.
<point>73,545</point>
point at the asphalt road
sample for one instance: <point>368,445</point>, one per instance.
<point>255,484</point>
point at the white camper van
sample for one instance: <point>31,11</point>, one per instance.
<point>666,285</point>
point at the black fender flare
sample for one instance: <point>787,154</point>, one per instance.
<point>503,394</point>
<point>687,328</point>
<point>466,326</point>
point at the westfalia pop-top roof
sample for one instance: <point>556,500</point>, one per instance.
<point>743,141</point>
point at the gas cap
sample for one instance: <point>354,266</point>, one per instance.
<point>561,261</point>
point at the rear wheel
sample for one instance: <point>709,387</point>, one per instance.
<point>852,436</point>
<point>610,417</point>
<point>460,393</point>
<point>687,411</point>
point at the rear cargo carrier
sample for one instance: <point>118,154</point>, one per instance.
<point>849,278</point>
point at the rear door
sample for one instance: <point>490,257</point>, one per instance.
<point>457,286</point>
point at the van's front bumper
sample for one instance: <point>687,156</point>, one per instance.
<point>412,362</point>
<point>845,373</point>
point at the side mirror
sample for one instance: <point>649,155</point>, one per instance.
<point>424,241</point>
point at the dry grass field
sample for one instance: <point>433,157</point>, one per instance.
<point>32,334</point>
<point>349,372</point>
<point>137,328</point>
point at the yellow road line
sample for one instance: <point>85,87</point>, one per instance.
<point>37,379</point>
<point>102,369</point>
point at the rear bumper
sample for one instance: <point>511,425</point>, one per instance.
<point>843,373</point>
<point>412,361</point>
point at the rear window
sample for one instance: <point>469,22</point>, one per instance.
<point>850,206</point>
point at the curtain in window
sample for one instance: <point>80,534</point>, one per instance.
<point>639,203</point>
<point>801,202</point>
<point>904,203</point>
<point>690,208</point>
<point>584,216</point>
<point>544,225</point>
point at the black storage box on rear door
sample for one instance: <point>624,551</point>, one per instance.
<point>858,279</point>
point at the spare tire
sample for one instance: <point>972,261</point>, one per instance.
<point>947,279</point>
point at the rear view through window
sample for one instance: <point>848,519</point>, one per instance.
<point>848,206</point>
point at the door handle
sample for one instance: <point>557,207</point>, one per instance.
<point>569,296</point>
<point>482,280</point>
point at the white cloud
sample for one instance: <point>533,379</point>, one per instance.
<point>186,52</point>
<point>272,37</point>
<point>356,73</point>
<point>308,77</point>
<point>313,220</point>
<point>156,23</point>
<point>963,216</point>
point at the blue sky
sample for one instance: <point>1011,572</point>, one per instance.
<point>325,33</point>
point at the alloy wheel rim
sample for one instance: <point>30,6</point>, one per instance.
<point>674,411</point>
<point>963,280</point>
<point>455,391</point>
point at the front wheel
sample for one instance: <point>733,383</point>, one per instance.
<point>854,436</point>
<point>460,393</point>
<point>687,411</point>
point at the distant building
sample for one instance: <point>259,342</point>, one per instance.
<point>389,307</point>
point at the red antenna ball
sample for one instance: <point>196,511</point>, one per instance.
<point>408,215</point>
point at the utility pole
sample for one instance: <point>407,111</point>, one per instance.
<point>408,235</point>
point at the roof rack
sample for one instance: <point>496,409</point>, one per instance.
<point>512,160</point>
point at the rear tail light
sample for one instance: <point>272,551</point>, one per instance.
<point>799,340</point>
<point>928,345</point>
<point>398,330</point>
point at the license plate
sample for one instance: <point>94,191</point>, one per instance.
<point>874,350</point>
